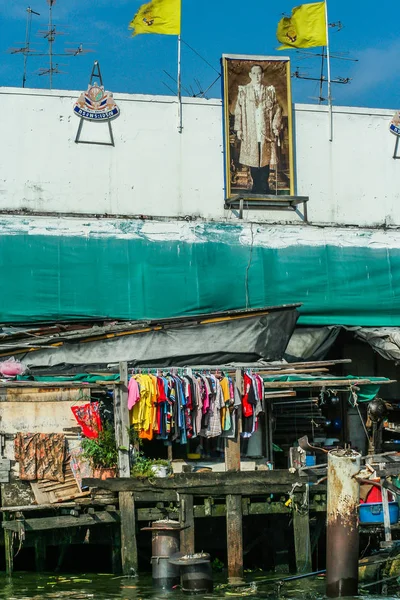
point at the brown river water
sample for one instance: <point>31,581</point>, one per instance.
<point>30,586</point>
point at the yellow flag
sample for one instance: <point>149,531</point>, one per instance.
<point>305,28</point>
<point>158,16</point>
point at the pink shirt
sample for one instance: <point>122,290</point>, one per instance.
<point>133,392</point>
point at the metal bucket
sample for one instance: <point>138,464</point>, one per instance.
<point>196,573</point>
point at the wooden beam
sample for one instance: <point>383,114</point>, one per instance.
<point>295,371</point>
<point>232,445</point>
<point>313,363</point>
<point>210,484</point>
<point>220,491</point>
<point>285,394</point>
<point>219,510</point>
<point>36,507</point>
<point>187,521</point>
<point>202,480</point>
<point>155,514</point>
<point>234,534</point>
<point>156,496</point>
<point>62,522</point>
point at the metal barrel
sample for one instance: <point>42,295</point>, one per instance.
<point>342,544</point>
<point>165,543</point>
<point>196,572</point>
<point>197,578</point>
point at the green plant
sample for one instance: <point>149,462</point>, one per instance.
<point>217,565</point>
<point>102,452</point>
<point>143,466</point>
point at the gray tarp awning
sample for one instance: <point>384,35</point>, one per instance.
<point>229,339</point>
<point>313,343</point>
<point>384,340</point>
<point>310,343</point>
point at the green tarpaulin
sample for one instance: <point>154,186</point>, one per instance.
<point>51,277</point>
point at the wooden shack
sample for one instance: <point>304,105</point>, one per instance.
<point>237,489</point>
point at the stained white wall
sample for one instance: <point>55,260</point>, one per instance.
<point>155,171</point>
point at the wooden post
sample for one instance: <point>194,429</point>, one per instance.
<point>126,499</point>
<point>302,541</point>
<point>9,551</point>
<point>121,418</point>
<point>187,520</point>
<point>128,534</point>
<point>234,534</point>
<point>40,553</point>
<point>115,549</point>
<point>232,445</point>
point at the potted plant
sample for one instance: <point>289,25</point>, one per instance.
<point>146,468</point>
<point>102,453</point>
<point>160,468</point>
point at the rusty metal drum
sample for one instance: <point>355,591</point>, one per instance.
<point>342,523</point>
<point>165,543</point>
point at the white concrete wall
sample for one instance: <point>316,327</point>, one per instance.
<point>155,171</point>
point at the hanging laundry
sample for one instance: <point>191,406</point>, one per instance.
<point>251,403</point>
<point>178,408</point>
<point>88,417</point>
<point>133,393</point>
<point>40,456</point>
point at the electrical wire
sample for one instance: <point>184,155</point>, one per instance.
<point>200,56</point>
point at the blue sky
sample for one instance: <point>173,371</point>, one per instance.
<point>211,27</point>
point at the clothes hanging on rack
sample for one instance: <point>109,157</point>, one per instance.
<point>251,403</point>
<point>178,407</point>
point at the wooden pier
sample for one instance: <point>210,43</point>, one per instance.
<point>232,495</point>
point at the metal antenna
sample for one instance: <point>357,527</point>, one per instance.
<point>299,75</point>
<point>173,79</point>
<point>210,86</point>
<point>29,12</point>
<point>50,38</point>
<point>322,78</point>
<point>26,48</point>
<point>50,35</point>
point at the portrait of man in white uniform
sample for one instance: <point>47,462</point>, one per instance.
<point>258,137</point>
<point>258,124</point>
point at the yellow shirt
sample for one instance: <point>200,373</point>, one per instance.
<point>141,413</point>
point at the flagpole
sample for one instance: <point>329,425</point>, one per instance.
<point>328,59</point>
<point>180,126</point>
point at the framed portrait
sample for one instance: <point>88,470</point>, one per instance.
<point>258,126</point>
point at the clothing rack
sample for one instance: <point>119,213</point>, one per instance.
<point>232,369</point>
